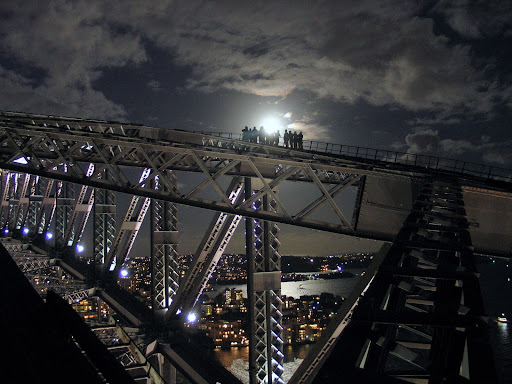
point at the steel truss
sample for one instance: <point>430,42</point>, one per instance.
<point>62,149</point>
<point>104,222</point>
<point>264,290</point>
<point>47,274</point>
<point>421,319</point>
<point>164,239</point>
<point>208,254</point>
<point>420,323</point>
<point>129,229</point>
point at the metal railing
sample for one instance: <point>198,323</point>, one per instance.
<point>395,157</point>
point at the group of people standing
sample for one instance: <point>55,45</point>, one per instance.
<point>261,136</point>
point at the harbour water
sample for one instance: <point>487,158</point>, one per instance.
<point>496,290</point>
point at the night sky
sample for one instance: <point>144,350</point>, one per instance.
<point>429,77</point>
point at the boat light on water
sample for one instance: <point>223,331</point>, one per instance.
<point>502,319</point>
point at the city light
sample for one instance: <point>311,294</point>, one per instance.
<point>25,231</point>
<point>191,318</point>
<point>80,248</point>
<point>49,236</point>
<point>6,231</point>
<point>123,273</point>
<point>21,160</point>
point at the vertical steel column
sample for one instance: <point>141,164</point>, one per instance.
<point>216,239</point>
<point>129,229</point>
<point>6,194</point>
<point>267,347</point>
<point>104,222</point>
<point>34,204</point>
<point>63,212</point>
<point>74,231</point>
<point>249,251</point>
<point>165,274</point>
<point>13,200</point>
<point>23,202</point>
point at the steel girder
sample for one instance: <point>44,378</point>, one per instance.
<point>422,318</point>
<point>208,254</point>
<point>23,201</point>
<point>63,210</point>
<point>165,275</point>
<point>45,143</point>
<point>81,211</point>
<point>264,291</point>
<point>129,229</point>
<point>104,221</point>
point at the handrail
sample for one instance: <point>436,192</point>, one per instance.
<point>395,157</point>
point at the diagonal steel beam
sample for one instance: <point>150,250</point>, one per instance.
<point>329,198</point>
<point>268,189</point>
<point>217,187</point>
<point>207,182</point>
<point>351,179</point>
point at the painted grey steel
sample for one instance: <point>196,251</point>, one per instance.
<point>64,210</point>
<point>81,211</point>
<point>422,317</point>
<point>266,321</point>
<point>165,273</point>
<point>46,142</point>
<point>308,369</point>
<point>208,254</point>
<point>129,229</point>
<point>104,223</point>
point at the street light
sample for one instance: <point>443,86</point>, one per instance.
<point>80,248</point>
<point>25,231</point>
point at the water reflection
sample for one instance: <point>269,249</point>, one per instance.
<point>237,360</point>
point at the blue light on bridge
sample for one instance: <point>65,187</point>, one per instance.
<point>80,248</point>
<point>25,231</point>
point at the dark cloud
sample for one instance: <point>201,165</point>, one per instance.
<point>429,142</point>
<point>387,55</point>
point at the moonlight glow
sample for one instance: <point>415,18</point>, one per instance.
<point>271,124</point>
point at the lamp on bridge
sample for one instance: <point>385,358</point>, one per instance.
<point>80,248</point>
<point>25,231</point>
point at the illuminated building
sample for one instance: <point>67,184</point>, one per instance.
<point>226,334</point>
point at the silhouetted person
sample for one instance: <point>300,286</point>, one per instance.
<point>254,135</point>
<point>245,134</point>
<point>262,135</point>
<point>300,136</point>
<point>294,140</point>
<point>277,135</point>
<point>286,138</point>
